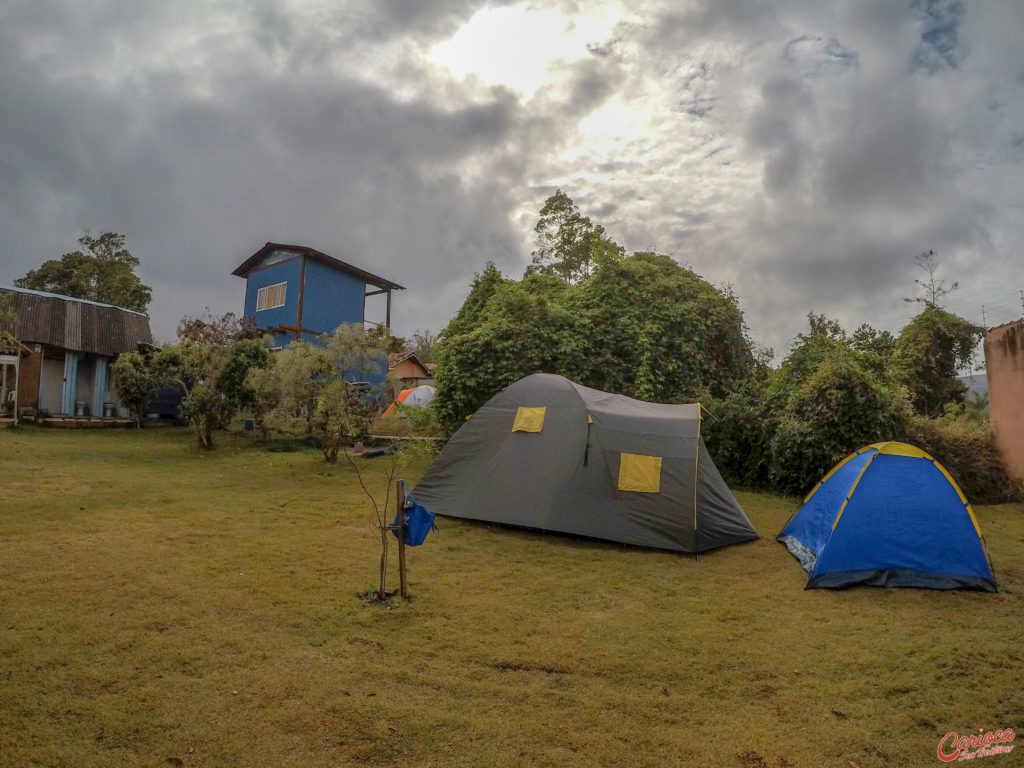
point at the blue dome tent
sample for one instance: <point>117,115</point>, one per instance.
<point>889,515</point>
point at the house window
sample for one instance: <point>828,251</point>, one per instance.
<point>270,296</point>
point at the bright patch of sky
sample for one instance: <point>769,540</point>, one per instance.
<point>516,46</point>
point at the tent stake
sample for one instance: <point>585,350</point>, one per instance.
<point>402,581</point>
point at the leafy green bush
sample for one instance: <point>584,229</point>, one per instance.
<point>970,455</point>
<point>738,435</point>
<point>840,408</point>
<point>419,418</point>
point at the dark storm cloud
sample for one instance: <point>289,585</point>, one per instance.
<point>199,166</point>
<point>802,151</point>
<point>202,130</point>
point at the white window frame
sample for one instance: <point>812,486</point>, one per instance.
<point>264,293</point>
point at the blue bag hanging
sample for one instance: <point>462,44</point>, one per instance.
<point>419,521</point>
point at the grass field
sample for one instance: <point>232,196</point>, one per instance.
<point>160,605</point>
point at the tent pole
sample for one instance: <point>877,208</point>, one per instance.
<point>696,476</point>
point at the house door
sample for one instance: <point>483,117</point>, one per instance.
<point>51,384</point>
<point>70,383</point>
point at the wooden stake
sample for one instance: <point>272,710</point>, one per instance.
<point>383,562</point>
<point>402,581</point>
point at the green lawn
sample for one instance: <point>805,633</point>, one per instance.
<point>160,605</point>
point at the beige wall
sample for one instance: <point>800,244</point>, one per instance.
<point>1004,362</point>
<point>407,369</point>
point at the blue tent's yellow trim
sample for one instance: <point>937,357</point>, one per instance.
<point>852,489</point>
<point>894,448</point>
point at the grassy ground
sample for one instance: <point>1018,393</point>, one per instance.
<point>160,605</point>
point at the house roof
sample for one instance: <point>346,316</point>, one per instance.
<point>396,358</point>
<point>76,324</point>
<point>253,261</point>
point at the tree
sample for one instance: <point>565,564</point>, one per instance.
<point>287,391</point>
<point>876,347</point>
<point>104,271</point>
<point>933,289</point>
<point>322,388</point>
<point>808,352</point>
<point>136,378</point>
<point>928,354</point>
<point>265,386</point>
<point>344,413</point>
<point>841,407</point>
<point>569,244</point>
<point>649,328</point>
<point>641,326</point>
<point>521,329</point>
<point>206,328</point>
<point>830,396</point>
<point>8,321</point>
<point>211,364</point>
<point>424,345</point>
<point>346,405</point>
<point>484,286</point>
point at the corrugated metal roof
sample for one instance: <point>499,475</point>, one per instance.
<point>76,324</point>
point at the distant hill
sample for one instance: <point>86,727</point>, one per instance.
<point>976,382</point>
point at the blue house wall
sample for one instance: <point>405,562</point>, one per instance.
<point>332,297</point>
<point>321,294</point>
<point>289,271</point>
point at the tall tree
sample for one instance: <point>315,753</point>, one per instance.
<point>934,347</point>
<point>929,353</point>
<point>933,290</point>
<point>569,244</point>
<point>641,326</point>
<point>8,320</point>
<point>522,328</point>
<point>103,270</point>
<point>485,285</point>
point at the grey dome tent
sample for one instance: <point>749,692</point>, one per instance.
<point>550,454</point>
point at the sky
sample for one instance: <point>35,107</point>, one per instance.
<point>802,152</point>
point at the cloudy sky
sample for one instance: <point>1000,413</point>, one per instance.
<point>802,151</point>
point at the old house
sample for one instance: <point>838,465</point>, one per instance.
<point>296,292</point>
<point>69,344</point>
<point>1004,364</point>
<point>407,370</point>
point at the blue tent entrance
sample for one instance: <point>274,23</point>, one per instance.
<point>889,516</point>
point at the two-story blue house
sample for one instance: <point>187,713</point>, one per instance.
<point>297,292</point>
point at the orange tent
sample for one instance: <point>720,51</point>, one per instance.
<point>400,399</point>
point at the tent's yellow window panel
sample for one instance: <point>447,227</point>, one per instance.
<point>640,474</point>
<point>529,420</point>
